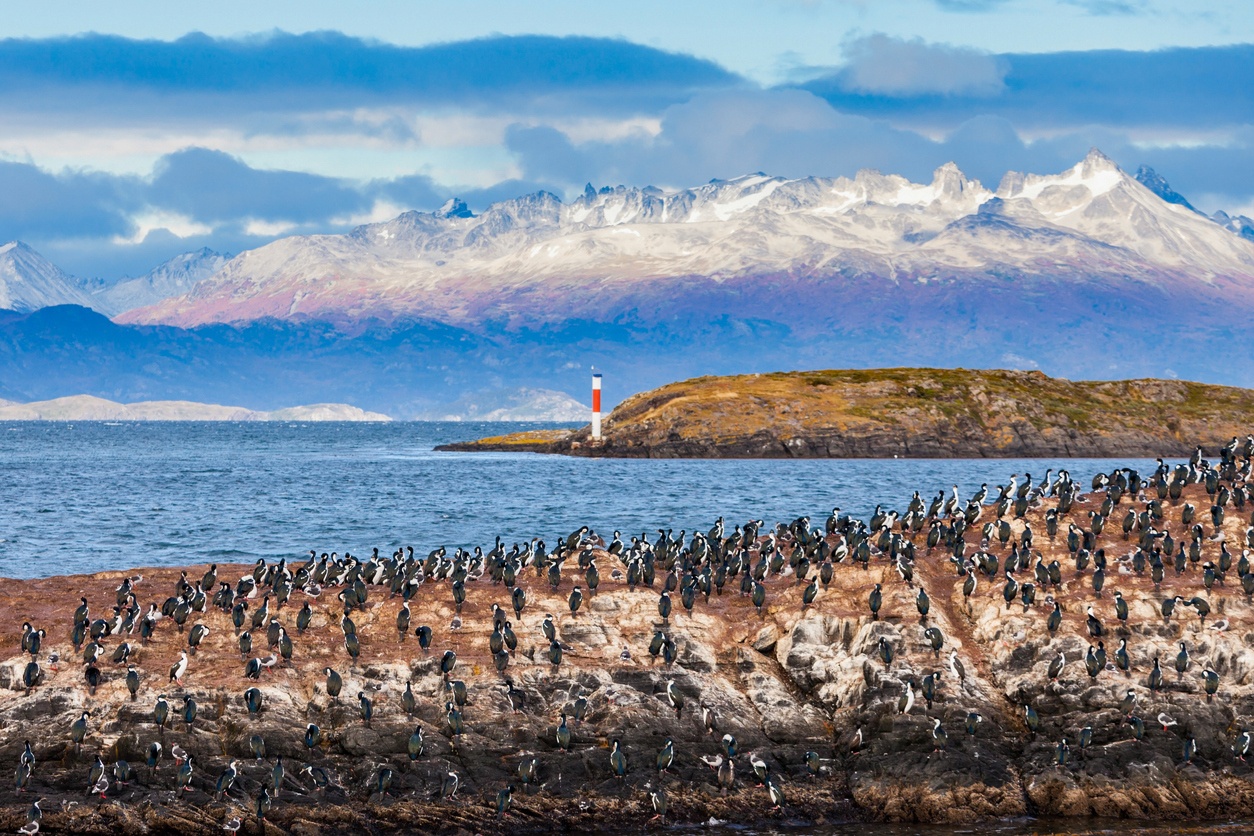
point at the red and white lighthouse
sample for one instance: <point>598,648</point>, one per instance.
<point>596,407</point>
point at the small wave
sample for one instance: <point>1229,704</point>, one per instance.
<point>230,553</point>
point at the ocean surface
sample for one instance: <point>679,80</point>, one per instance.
<point>84,497</point>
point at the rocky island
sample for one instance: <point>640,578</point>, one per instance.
<point>1057,646</point>
<point>909,413</point>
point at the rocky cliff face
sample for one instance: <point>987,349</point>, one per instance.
<point>913,413</point>
<point>785,679</point>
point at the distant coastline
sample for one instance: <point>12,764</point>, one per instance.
<point>90,408</point>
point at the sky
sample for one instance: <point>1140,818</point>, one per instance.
<point>132,132</point>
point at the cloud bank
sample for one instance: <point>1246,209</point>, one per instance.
<point>117,153</point>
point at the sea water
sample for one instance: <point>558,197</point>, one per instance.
<point>89,496</point>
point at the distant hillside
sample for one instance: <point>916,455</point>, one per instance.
<point>88,408</point>
<point>917,413</point>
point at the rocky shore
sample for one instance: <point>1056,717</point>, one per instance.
<point>902,413</point>
<point>812,690</point>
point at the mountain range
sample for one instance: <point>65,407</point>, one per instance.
<point>535,260</point>
<point>1092,272</point>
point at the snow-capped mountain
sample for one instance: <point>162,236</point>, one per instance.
<point>28,281</point>
<point>715,248</point>
<point>172,278</point>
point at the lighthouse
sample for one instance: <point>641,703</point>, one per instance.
<point>596,407</point>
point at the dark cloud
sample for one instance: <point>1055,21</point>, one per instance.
<point>213,187</point>
<point>94,258</point>
<point>548,153</point>
<point>412,191</point>
<point>1180,88</point>
<point>35,203</point>
<point>283,72</point>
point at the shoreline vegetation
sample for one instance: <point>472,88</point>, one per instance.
<point>1053,647</point>
<point>906,413</point>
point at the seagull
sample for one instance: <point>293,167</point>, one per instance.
<point>1219,626</point>
<point>1166,721</point>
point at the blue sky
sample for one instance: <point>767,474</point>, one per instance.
<point>131,132</point>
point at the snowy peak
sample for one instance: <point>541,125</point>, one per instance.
<point>28,281</point>
<point>454,207</point>
<point>172,278</point>
<point>1099,201</point>
<point>1096,174</point>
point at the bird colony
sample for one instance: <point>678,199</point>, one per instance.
<point>1051,646</point>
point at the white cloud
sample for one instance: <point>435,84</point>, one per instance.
<point>270,229</point>
<point>885,65</point>
<point>158,219</point>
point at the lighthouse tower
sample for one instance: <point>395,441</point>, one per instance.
<point>596,407</point>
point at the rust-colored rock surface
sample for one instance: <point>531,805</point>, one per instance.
<point>784,681</point>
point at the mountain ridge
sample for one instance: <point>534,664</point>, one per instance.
<point>519,258</point>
